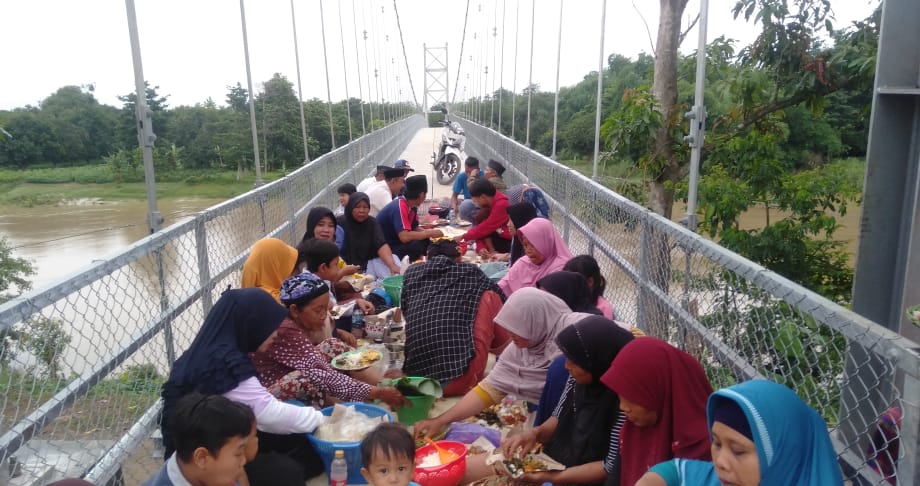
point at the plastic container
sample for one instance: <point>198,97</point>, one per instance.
<point>393,286</point>
<point>384,363</point>
<point>338,471</point>
<point>421,392</point>
<point>352,450</point>
<point>449,474</point>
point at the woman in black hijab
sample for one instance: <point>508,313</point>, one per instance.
<point>583,433</point>
<point>364,242</point>
<point>319,215</point>
<point>572,288</point>
<point>217,362</point>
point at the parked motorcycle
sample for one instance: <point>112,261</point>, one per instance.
<point>450,155</point>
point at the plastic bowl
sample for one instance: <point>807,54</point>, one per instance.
<point>326,449</point>
<point>449,474</point>
<point>393,286</point>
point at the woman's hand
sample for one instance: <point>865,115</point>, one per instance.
<point>346,337</point>
<point>366,307</point>
<point>389,395</point>
<point>500,257</point>
<point>519,445</point>
<point>428,428</point>
<point>539,477</point>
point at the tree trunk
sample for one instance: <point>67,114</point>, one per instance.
<point>664,89</point>
<point>657,261</point>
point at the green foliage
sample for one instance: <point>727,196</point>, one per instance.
<point>46,339</point>
<point>14,272</point>
<point>630,130</point>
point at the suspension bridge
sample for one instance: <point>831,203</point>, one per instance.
<point>129,317</point>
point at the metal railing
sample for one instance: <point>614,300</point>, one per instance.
<point>82,399</point>
<point>739,319</point>
<point>127,317</point>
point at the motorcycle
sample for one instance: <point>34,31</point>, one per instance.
<point>450,155</point>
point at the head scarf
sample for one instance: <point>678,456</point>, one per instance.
<point>270,262</point>
<point>572,288</point>
<point>538,317</point>
<point>362,240</point>
<point>520,214</point>
<point>439,300</point>
<point>303,287</point>
<point>588,412</point>
<point>544,238</point>
<point>497,167</point>
<point>314,217</point>
<point>670,382</point>
<point>793,447</point>
<point>216,362</point>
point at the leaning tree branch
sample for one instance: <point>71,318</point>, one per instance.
<point>689,28</point>
<point>647,30</point>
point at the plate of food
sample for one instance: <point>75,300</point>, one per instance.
<point>356,360</point>
<point>528,463</point>
<point>462,224</point>
<point>441,222</point>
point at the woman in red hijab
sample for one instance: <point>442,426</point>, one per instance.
<point>663,392</point>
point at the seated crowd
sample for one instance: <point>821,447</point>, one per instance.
<point>614,406</point>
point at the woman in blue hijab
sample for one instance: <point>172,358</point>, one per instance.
<point>762,435</point>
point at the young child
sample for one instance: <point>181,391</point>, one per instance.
<point>211,434</point>
<point>587,266</point>
<point>345,190</point>
<point>290,367</point>
<point>321,258</point>
<point>388,455</point>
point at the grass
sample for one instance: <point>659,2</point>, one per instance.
<point>105,412</point>
<point>48,186</point>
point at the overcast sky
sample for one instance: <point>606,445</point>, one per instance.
<point>193,49</point>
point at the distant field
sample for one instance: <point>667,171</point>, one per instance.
<point>35,187</point>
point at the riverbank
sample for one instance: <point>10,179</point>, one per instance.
<point>57,186</point>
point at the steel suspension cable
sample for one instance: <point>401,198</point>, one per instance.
<point>600,91</point>
<point>517,24</point>
<point>405,59</point>
<point>485,59</point>
<point>252,103</point>
<point>303,122</point>
<point>533,12</point>
<point>345,69</point>
<point>556,98</point>
<point>354,25</point>
<point>494,64</point>
<point>462,43</point>
<point>322,25</point>
<point>380,109</point>
<point>367,69</point>
<point>501,80</point>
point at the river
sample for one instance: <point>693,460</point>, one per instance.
<point>61,240</point>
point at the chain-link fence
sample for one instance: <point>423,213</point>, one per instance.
<point>82,361</point>
<point>740,320</point>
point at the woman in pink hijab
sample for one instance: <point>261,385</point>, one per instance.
<point>544,251</point>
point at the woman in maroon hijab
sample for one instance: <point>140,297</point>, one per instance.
<point>663,392</point>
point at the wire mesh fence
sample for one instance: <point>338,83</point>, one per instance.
<point>740,320</point>
<point>82,361</point>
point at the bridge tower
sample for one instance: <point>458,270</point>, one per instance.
<point>437,78</point>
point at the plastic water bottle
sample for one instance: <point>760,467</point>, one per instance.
<point>338,470</point>
<point>384,364</point>
<point>451,216</point>
<point>357,318</point>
